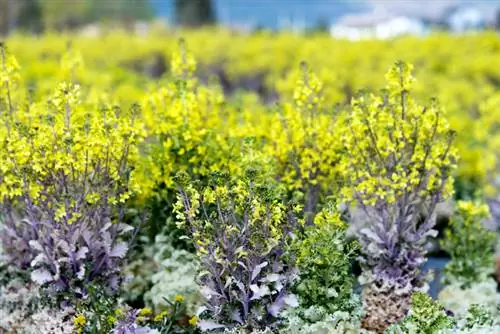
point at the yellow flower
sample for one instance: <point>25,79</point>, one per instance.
<point>145,312</point>
<point>159,317</point>
<point>119,312</point>
<point>80,321</point>
<point>179,298</point>
<point>193,321</point>
<point>111,320</point>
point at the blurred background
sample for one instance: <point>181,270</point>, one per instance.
<point>342,18</point>
<point>127,46</point>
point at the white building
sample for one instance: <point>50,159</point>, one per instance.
<point>377,25</point>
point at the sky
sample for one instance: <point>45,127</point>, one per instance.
<point>270,13</point>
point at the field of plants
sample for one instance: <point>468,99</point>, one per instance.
<point>216,182</point>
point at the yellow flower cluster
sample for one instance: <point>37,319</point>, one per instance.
<point>467,89</point>
<point>54,151</point>
<point>396,146</point>
<point>71,94</point>
<point>252,210</point>
<point>473,211</point>
<point>305,142</point>
<point>79,323</point>
<point>186,122</point>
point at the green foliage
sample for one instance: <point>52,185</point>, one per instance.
<point>470,245</point>
<point>98,308</point>
<point>478,315</point>
<point>426,317</point>
<point>34,15</point>
<point>318,320</point>
<point>155,273</point>
<point>324,259</point>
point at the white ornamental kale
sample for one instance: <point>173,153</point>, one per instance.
<point>457,299</point>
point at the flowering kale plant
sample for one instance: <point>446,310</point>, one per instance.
<point>240,231</point>
<point>399,163</point>
<point>66,172</point>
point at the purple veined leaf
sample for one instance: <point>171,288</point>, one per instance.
<point>430,233</point>
<point>278,286</point>
<point>114,282</point>
<point>106,227</point>
<point>119,250</point>
<point>41,276</point>
<point>256,271</point>
<point>81,273</point>
<point>275,308</point>
<point>240,286</point>
<point>64,260</point>
<point>259,291</point>
<point>271,278</point>
<point>243,265</point>
<point>58,271</point>
<point>35,245</point>
<point>81,253</point>
<point>141,330</point>
<point>9,231</point>
<point>87,237</point>
<point>125,228</point>
<point>371,235</point>
<point>65,247</point>
<point>207,325</point>
<point>374,249</point>
<point>208,292</point>
<point>40,258</point>
<point>236,316</point>
<point>107,241</point>
<point>76,235</point>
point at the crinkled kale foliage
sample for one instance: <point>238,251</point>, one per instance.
<point>324,259</point>
<point>426,316</point>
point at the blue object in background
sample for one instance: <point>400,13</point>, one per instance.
<point>437,265</point>
<point>269,13</point>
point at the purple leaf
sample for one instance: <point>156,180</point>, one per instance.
<point>119,250</point>
<point>80,254</point>
<point>40,258</point>
<point>256,271</point>
<point>259,291</point>
<point>41,276</point>
<point>64,246</point>
<point>36,245</point>
<point>206,325</point>
<point>276,307</point>
<point>236,316</point>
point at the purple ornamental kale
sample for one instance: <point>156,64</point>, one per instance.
<point>246,276</point>
<point>128,325</point>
